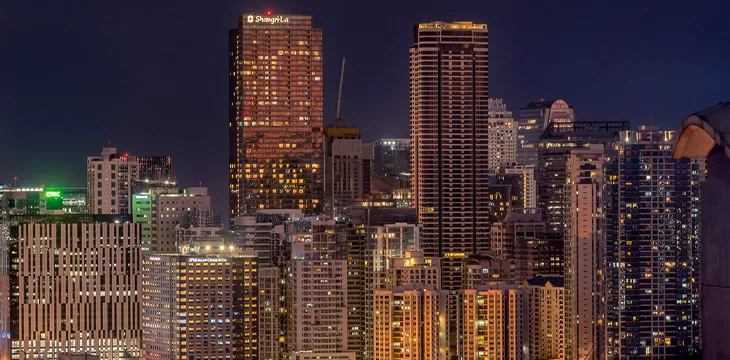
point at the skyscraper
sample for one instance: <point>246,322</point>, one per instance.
<point>346,167</point>
<point>534,119</point>
<point>651,245</point>
<point>584,245</point>
<point>275,114</point>
<point>502,136</point>
<point>554,147</point>
<point>393,159</point>
<point>449,127</point>
<point>153,167</point>
<point>109,181</point>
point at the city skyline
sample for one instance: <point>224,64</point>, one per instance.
<point>653,73</point>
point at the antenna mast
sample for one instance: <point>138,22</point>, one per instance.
<point>339,95</point>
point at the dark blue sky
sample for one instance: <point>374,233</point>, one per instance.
<point>151,76</point>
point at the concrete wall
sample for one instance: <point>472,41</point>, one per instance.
<point>715,252</point>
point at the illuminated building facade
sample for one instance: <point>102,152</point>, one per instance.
<point>153,167</point>
<point>410,323</point>
<point>652,244</point>
<point>493,322</point>
<point>502,136</point>
<point>584,246</point>
<point>201,307</point>
<point>547,317</point>
<point>393,159</point>
<point>29,201</point>
<point>275,114</point>
<point>74,285</point>
<point>534,119</point>
<point>316,287</point>
<point>554,147</point>
<point>449,127</point>
<point>109,181</point>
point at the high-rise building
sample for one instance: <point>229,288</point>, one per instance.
<point>652,233</point>
<point>275,114</point>
<point>534,119</point>
<point>493,322</point>
<point>253,234</point>
<point>554,147</point>
<point>584,246</point>
<point>109,181</point>
<point>449,127</point>
<point>501,136</point>
<point>547,317</point>
<point>73,285</point>
<point>521,237</point>
<point>346,169</point>
<point>153,167</point>
<point>199,306</point>
<point>316,288</point>
<point>482,269</point>
<point>409,323</point>
<point>393,159</point>
<point>161,211</point>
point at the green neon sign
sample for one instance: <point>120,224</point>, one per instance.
<point>53,194</point>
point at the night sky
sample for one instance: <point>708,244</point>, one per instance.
<point>151,77</point>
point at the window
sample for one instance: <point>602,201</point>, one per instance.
<point>98,184</point>
<point>114,193</point>
<point>98,176</point>
<point>114,167</point>
<point>98,193</point>
<point>98,167</point>
<point>98,211</point>
<point>114,175</point>
<point>114,184</point>
<point>114,202</point>
<point>98,202</point>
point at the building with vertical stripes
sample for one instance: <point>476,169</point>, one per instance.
<point>74,282</point>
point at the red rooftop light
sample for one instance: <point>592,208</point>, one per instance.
<point>126,154</point>
<point>268,12</point>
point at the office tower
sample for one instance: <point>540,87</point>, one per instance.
<point>316,288</point>
<point>161,212</point>
<point>38,200</point>
<point>345,170</point>
<point>270,314</point>
<point>393,159</point>
<point>547,317</point>
<point>275,114</point>
<point>584,244</point>
<point>153,167</point>
<point>521,237</point>
<point>554,148</point>
<point>74,285</point>
<point>144,207</point>
<point>534,119</point>
<point>501,136</point>
<point>409,323</point>
<point>651,236</point>
<point>449,127</point>
<point>199,307</point>
<point>109,178</point>
<point>494,322</point>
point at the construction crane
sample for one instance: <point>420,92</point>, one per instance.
<point>339,96</point>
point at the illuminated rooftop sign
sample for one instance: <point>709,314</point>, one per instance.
<point>267,19</point>
<point>53,194</point>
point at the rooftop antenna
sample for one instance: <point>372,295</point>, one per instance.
<point>339,95</point>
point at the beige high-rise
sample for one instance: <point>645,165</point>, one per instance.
<point>583,247</point>
<point>78,279</point>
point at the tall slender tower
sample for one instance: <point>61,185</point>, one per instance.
<point>584,239</point>
<point>275,114</point>
<point>449,127</point>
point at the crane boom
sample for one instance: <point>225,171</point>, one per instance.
<point>339,94</point>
